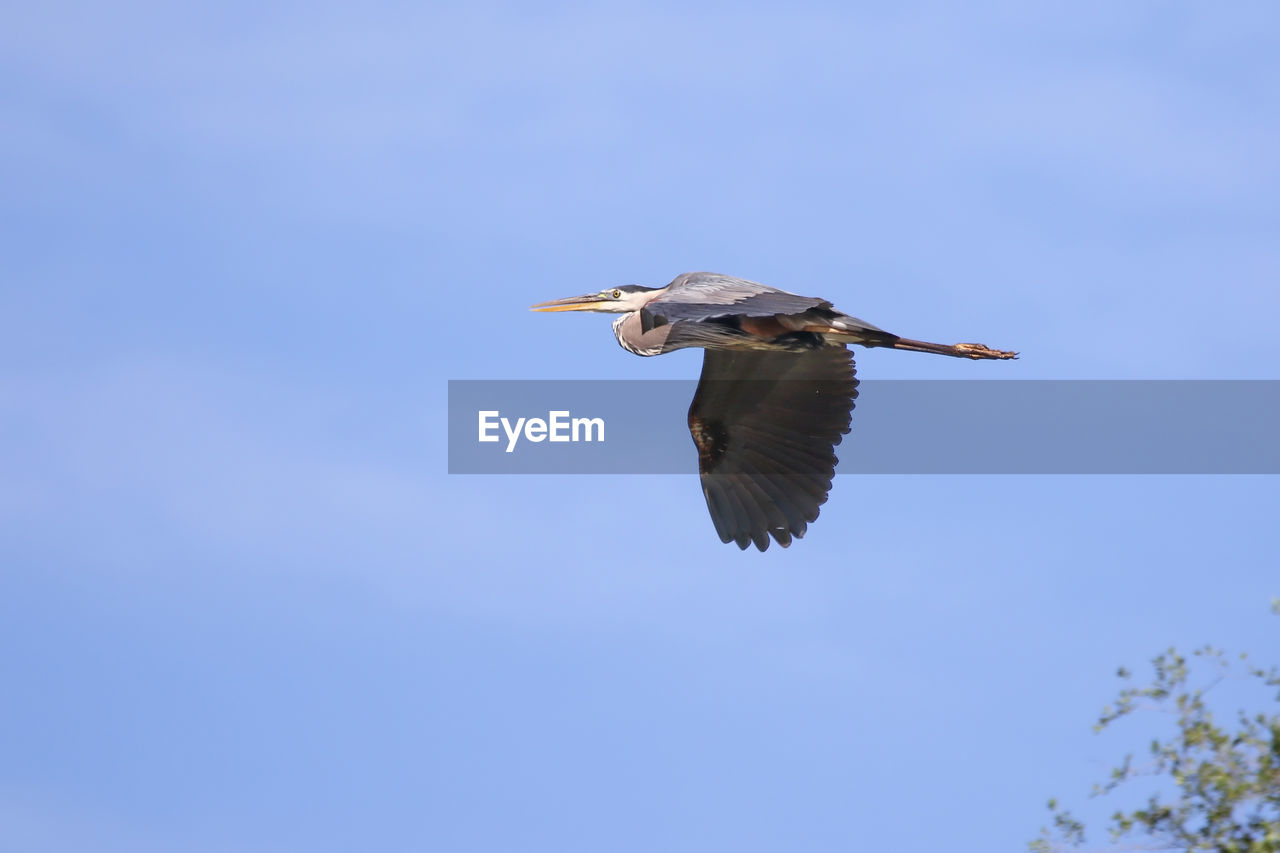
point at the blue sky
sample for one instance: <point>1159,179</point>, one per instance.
<point>243,607</point>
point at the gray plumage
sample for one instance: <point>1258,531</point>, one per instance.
<point>776,393</point>
<point>706,295</point>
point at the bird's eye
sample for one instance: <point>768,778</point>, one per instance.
<point>617,294</point>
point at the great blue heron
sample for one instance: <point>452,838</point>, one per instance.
<point>775,395</point>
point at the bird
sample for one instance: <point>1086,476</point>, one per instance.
<point>775,396</point>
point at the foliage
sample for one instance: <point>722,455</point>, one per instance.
<point>1225,791</point>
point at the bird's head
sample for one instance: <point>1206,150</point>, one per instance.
<point>615,300</point>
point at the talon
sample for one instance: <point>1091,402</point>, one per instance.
<point>976,351</point>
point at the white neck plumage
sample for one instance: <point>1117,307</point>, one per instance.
<point>634,339</point>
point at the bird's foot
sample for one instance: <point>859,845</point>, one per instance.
<point>983,351</point>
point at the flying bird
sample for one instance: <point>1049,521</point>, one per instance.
<point>776,392</point>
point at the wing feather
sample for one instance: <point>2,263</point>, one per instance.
<point>707,295</point>
<point>766,424</point>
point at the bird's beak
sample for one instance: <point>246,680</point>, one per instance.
<point>573,303</point>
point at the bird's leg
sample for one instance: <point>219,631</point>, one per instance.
<point>851,330</point>
<point>956,350</point>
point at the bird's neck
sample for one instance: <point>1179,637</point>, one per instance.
<point>632,337</point>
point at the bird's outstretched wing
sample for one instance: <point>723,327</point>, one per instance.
<point>766,424</point>
<point>707,295</point>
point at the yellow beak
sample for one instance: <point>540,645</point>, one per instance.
<point>573,303</point>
